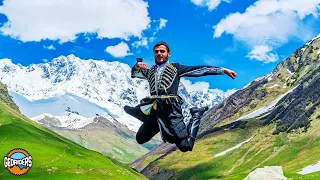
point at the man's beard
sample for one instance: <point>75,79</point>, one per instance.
<point>159,63</point>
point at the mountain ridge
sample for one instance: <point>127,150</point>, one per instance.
<point>52,154</point>
<point>106,84</point>
<point>279,110</point>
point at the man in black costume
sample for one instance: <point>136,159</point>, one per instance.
<point>162,110</point>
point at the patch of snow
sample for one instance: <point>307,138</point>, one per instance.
<point>259,78</point>
<point>72,121</point>
<point>310,169</point>
<point>266,108</point>
<point>39,117</point>
<point>233,148</point>
<point>267,173</point>
<point>318,51</point>
<point>247,85</point>
<point>275,85</point>
<point>313,39</point>
<point>291,73</point>
<point>269,76</point>
<point>297,60</point>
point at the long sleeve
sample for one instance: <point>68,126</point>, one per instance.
<point>136,72</point>
<point>197,71</point>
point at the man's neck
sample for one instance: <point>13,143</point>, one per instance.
<point>161,65</point>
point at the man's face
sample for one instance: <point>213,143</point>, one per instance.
<point>161,54</point>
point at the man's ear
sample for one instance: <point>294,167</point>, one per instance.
<point>168,54</point>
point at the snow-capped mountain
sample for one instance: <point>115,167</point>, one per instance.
<point>76,91</point>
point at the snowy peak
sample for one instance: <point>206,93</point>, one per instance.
<point>106,84</point>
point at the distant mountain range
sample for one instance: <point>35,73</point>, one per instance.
<point>52,154</point>
<point>76,91</point>
<point>73,97</point>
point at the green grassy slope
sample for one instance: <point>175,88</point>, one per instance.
<point>54,157</point>
<point>119,145</point>
<point>293,147</point>
<point>292,151</point>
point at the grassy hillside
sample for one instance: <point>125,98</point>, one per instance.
<point>303,64</point>
<point>291,151</point>
<point>54,157</point>
<point>111,141</point>
<point>6,99</point>
<point>287,134</point>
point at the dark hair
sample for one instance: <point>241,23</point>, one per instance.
<point>162,43</point>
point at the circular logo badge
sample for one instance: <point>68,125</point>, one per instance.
<point>18,161</point>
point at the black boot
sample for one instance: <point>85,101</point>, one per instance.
<point>135,112</point>
<point>194,123</point>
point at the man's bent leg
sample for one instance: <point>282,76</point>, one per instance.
<point>135,112</point>
<point>193,128</point>
<point>147,130</point>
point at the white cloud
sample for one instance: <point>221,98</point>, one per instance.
<point>198,86</point>
<point>120,50</point>
<point>36,20</point>
<point>141,43</point>
<point>51,47</point>
<point>45,60</point>
<point>163,23</point>
<point>210,4</point>
<point>263,53</point>
<point>270,23</point>
<point>144,41</point>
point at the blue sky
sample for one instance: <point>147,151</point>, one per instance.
<point>249,37</point>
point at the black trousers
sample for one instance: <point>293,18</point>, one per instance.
<point>150,128</point>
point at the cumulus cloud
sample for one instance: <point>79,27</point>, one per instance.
<point>51,47</point>
<point>269,23</point>
<point>198,86</point>
<point>120,50</point>
<point>263,53</point>
<point>210,4</point>
<point>36,20</point>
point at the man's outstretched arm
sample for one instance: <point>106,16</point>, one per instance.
<point>139,70</point>
<point>197,71</point>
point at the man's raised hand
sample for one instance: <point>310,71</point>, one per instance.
<point>142,66</point>
<point>230,73</point>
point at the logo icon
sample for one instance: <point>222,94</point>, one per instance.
<point>18,161</point>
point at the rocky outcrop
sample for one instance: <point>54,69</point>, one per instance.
<point>267,173</point>
<point>295,109</point>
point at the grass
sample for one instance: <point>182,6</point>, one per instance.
<point>54,157</point>
<point>291,151</point>
<point>150,159</point>
<point>107,142</point>
<point>4,97</point>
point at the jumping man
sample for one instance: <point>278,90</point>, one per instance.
<point>162,110</point>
